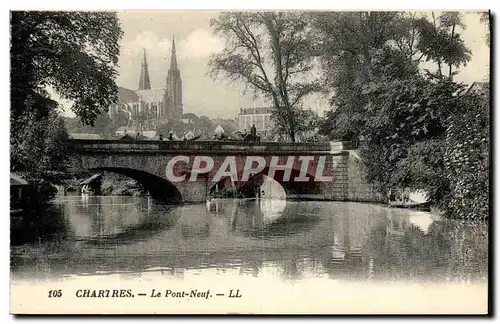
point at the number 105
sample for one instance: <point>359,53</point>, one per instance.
<point>55,293</point>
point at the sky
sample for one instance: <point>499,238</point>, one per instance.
<point>202,95</point>
<point>153,31</point>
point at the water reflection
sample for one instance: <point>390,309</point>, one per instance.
<point>292,240</point>
<point>263,218</point>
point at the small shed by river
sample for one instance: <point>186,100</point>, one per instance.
<point>19,191</point>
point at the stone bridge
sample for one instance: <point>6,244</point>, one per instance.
<point>187,171</point>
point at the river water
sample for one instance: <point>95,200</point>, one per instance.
<point>295,240</point>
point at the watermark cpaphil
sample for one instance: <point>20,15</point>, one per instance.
<point>309,168</point>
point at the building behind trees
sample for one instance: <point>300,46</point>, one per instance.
<point>260,116</point>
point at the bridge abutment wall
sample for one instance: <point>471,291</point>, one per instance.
<point>358,187</point>
<point>337,188</point>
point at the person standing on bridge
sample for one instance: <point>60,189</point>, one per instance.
<point>171,136</point>
<point>253,130</point>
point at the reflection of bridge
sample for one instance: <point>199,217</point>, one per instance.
<point>186,171</point>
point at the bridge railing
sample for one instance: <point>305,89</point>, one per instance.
<point>201,146</point>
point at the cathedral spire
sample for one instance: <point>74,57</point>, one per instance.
<point>173,58</point>
<point>144,82</point>
<point>174,87</point>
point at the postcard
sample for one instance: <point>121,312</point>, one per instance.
<point>249,162</point>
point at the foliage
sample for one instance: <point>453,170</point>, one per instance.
<point>198,125</point>
<point>420,130</point>
<point>423,168</point>
<point>345,42</point>
<point>75,53</point>
<point>485,19</point>
<point>175,126</point>
<point>405,133</point>
<point>441,42</point>
<point>269,52</point>
<point>190,116</point>
<point>104,125</point>
<point>206,125</point>
<point>307,124</point>
<point>40,153</point>
<point>467,156</point>
<point>229,125</point>
<point>405,116</point>
<point>350,44</point>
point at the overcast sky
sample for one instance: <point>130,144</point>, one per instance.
<point>153,30</point>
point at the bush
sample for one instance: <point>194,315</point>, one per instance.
<point>467,157</point>
<point>39,153</point>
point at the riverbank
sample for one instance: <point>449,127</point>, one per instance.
<point>112,185</point>
<point>123,188</point>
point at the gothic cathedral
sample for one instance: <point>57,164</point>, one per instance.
<point>146,107</point>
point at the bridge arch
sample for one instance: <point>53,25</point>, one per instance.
<point>158,187</point>
<point>290,187</point>
<point>248,188</point>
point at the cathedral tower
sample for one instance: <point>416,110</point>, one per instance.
<point>144,82</point>
<point>174,85</point>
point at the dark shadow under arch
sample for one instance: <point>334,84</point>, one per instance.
<point>244,189</point>
<point>159,188</point>
<point>291,187</point>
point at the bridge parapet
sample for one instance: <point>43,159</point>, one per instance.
<point>213,147</point>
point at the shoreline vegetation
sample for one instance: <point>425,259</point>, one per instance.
<point>111,185</point>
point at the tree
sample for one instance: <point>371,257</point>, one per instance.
<point>175,126</point>
<point>405,128</point>
<point>39,152</point>
<point>372,62</point>
<point>205,126</point>
<point>466,156</point>
<point>269,52</point>
<point>485,19</point>
<point>307,124</point>
<point>229,126</point>
<point>104,125</point>
<point>74,53</point>
<point>440,40</point>
<point>345,43</point>
<point>191,117</point>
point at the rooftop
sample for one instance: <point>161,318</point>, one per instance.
<point>255,110</point>
<point>85,136</point>
<point>126,95</point>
